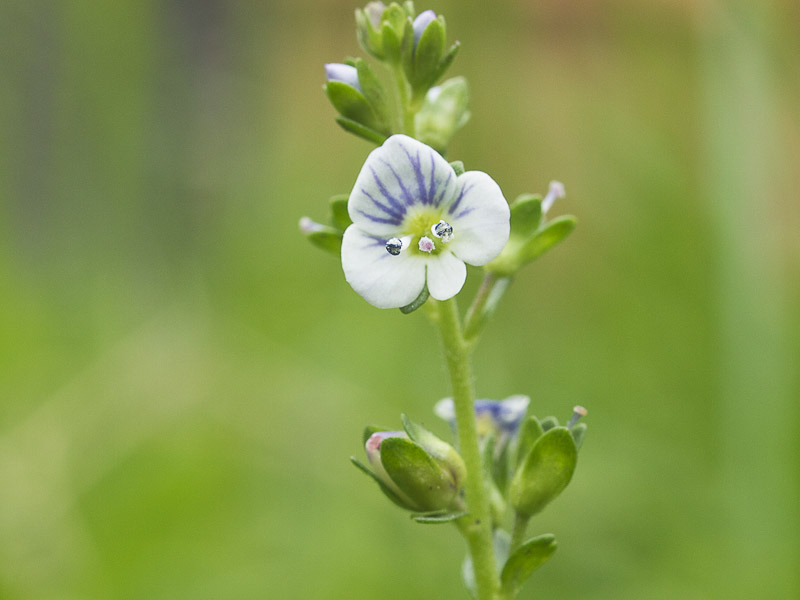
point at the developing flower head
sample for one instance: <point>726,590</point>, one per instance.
<point>344,73</point>
<point>500,418</point>
<point>408,195</point>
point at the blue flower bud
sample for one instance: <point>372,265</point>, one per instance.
<point>421,23</point>
<point>344,73</point>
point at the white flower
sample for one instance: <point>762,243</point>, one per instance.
<point>414,222</point>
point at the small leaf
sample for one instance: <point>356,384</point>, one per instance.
<point>458,167</point>
<point>530,431</point>
<point>578,433</point>
<point>548,423</point>
<point>351,103</point>
<point>526,215</point>
<point>340,218</point>
<point>437,517</point>
<point>525,560</point>
<point>550,235</point>
<point>361,131</point>
<point>545,472</point>
<point>373,91</point>
<point>322,236</point>
<point>420,300</point>
<point>445,63</point>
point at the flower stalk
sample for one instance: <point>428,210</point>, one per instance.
<point>476,527</point>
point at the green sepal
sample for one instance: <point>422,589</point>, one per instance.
<point>384,488</point>
<point>322,236</point>
<point>441,452</point>
<point>418,301</point>
<point>526,215</point>
<point>409,8</point>
<point>340,218</point>
<point>550,235</point>
<point>458,167</point>
<point>415,472</point>
<point>524,561</point>
<point>360,130</point>
<point>545,472</point>
<point>578,433</point>
<point>437,517</point>
<point>529,431</point>
<point>445,63</point>
<point>392,30</point>
<point>373,92</point>
<point>351,103</point>
<point>368,36</point>
<point>548,423</point>
<point>427,55</point>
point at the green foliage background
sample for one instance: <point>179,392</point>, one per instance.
<point>183,377</point>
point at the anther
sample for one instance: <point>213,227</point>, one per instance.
<point>443,230</point>
<point>577,413</point>
<point>394,245</point>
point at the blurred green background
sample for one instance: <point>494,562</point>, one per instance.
<point>183,377</point>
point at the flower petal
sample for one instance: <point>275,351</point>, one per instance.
<point>446,275</point>
<point>402,173</point>
<point>480,216</point>
<point>383,280</point>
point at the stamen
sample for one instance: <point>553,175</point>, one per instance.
<point>426,244</point>
<point>443,230</point>
<point>577,413</point>
<point>555,192</point>
<point>394,245</point>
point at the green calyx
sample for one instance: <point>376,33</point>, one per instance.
<point>544,472</point>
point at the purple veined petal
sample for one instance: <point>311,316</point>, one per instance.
<point>479,215</point>
<point>446,410</point>
<point>506,415</point>
<point>383,280</point>
<point>400,176</point>
<point>421,22</point>
<point>446,275</point>
<point>344,73</point>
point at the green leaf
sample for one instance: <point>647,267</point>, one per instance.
<point>361,131</point>
<point>351,103</point>
<point>524,561</point>
<point>392,42</point>
<point>526,215</point>
<point>436,518</point>
<point>374,93</point>
<point>340,218</point>
<point>417,475</point>
<point>544,473</point>
<point>578,433</point>
<point>384,488</point>
<point>529,431</point>
<point>550,235</point>
<point>428,54</point>
<point>419,301</point>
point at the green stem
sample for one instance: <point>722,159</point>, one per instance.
<point>477,526</point>
<point>408,125</point>
<point>518,534</point>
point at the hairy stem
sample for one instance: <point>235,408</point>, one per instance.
<point>477,526</point>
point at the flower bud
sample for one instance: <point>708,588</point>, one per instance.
<point>344,73</point>
<point>356,94</point>
<point>444,112</point>
<point>421,23</point>
<point>417,470</point>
